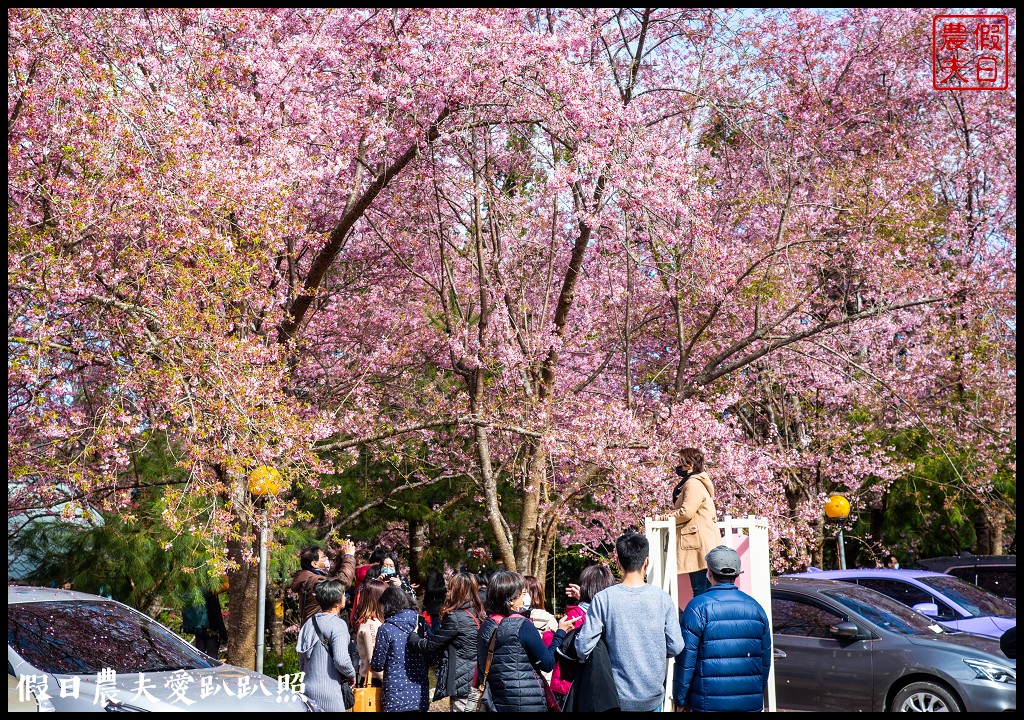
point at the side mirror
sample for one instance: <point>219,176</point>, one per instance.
<point>845,631</point>
<point>929,609</point>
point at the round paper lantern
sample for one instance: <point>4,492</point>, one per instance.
<point>837,507</point>
<point>265,481</point>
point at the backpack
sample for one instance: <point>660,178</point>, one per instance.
<point>194,619</point>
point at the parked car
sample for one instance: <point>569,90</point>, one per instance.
<point>20,699</point>
<point>953,603</point>
<point>843,647</point>
<point>73,651</point>
<point>995,573</point>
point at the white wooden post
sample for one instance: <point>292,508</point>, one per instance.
<point>748,537</point>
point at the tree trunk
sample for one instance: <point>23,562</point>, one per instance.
<point>417,544</point>
<point>983,546</point>
<point>488,482</point>
<point>243,595</point>
<point>818,544</point>
<point>998,525</point>
<point>529,525</point>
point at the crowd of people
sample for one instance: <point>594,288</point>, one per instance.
<point>496,647</point>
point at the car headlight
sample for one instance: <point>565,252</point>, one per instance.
<point>993,672</point>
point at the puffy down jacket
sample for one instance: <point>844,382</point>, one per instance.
<point>724,667</point>
<point>455,639</point>
<point>513,682</point>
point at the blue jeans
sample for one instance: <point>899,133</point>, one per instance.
<point>699,582</point>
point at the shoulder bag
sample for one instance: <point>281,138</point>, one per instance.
<point>368,698</point>
<point>347,695</point>
<point>476,694</point>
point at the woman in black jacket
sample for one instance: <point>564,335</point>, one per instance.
<point>454,639</point>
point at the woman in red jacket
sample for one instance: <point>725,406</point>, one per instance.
<point>593,580</point>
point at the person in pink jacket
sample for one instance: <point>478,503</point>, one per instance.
<point>593,580</point>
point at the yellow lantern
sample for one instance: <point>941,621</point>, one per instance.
<point>837,507</point>
<point>265,481</point>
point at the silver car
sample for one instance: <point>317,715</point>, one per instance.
<point>842,647</point>
<point>953,603</point>
<point>78,652</point>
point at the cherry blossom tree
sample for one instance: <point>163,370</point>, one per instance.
<point>533,252</point>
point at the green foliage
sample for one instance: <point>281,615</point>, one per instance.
<point>141,563</point>
<point>285,663</point>
<point>447,512</point>
<point>929,511</point>
<point>133,556</point>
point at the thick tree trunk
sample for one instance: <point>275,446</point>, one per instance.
<point>982,530</point>
<point>998,525</point>
<point>988,526</point>
<point>528,543</point>
<point>243,595</point>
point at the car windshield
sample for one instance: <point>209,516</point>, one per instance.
<point>977,602</point>
<point>882,611</point>
<point>82,637</point>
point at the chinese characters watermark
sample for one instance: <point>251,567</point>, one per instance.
<point>970,52</point>
<point>179,684</point>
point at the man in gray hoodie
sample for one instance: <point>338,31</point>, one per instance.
<point>640,624</point>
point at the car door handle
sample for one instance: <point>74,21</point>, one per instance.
<point>778,654</point>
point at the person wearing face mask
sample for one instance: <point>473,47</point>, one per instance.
<point>389,574</point>
<point>518,650</point>
<point>693,507</point>
<point>315,566</point>
<point>539,616</point>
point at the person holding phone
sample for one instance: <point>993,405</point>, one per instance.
<point>519,653</point>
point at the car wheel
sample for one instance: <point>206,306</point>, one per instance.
<point>925,697</point>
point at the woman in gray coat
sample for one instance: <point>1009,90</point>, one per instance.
<point>323,649</point>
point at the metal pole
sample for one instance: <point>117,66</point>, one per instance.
<point>842,550</point>
<point>262,601</point>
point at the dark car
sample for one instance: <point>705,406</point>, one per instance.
<point>995,573</point>
<point>842,647</point>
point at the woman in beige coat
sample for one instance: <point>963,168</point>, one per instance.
<point>693,507</point>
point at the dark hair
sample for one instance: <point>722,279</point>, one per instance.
<point>368,601</point>
<point>372,573</point>
<point>593,580</point>
<point>536,590</point>
<point>393,600</point>
<point>632,549</point>
<point>380,555</point>
<point>435,593</point>
<point>722,578</point>
<point>692,458</point>
<point>329,593</point>
<point>504,587</point>
<point>461,590</point>
<point>308,556</point>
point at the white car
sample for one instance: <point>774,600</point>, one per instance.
<point>76,652</point>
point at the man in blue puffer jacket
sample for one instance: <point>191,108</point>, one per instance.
<point>724,667</point>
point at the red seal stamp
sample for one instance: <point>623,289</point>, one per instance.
<point>970,52</point>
